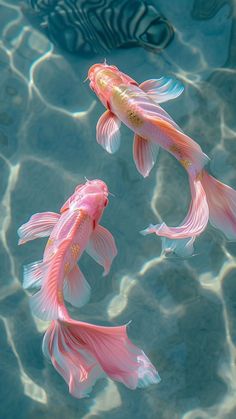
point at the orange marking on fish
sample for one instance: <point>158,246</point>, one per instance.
<point>67,268</point>
<point>60,297</point>
<point>49,242</point>
<point>64,210</point>
<point>134,118</point>
<point>75,249</point>
<point>82,216</point>
<point>199,175</point>
<point>185,163</point>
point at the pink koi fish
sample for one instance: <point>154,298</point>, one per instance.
<point>80,352</point>
<point>71,232</point>
<point>137,106</point>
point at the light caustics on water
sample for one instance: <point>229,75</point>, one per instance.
<point>31,389</point>
<point>222,131</point>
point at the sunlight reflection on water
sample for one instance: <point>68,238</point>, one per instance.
<point>182,311</point>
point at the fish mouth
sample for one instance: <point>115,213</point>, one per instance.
<point>95,68</point>
<point>93,71</point>
<point>96,186</point>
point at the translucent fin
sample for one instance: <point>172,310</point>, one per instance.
<point>145,154</point>
<point>222,205</point>
<point>185,150</point>
<point>33,274</point>
<point>77,366</point>
<point>193,224</point>
<point>162,89</point>
<point>44,305</point>
<point>102,247</point>
<point>108,134</point>
<point>83,352</point>
<point>181,247</point>
<point>76,289</point>
<point>39,225</point>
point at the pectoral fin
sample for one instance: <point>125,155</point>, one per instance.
<point>163,89</point>
<point>145,154</point>
<point>108,135</point>
<point>39,225</point>
<point>102,247</point>
<point>33,274</point>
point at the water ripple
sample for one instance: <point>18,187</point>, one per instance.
<point>182,311</point>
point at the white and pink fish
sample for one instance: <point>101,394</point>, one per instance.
<point>80,352</point>
<point>138,107</point>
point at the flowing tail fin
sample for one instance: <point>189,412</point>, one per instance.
<point>222,205</point>
<point>181,238</point>
<point>82,353</point>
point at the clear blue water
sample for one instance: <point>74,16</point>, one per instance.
<point>183,311</point>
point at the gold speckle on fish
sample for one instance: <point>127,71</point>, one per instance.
<point>67,268</point>
<point>199,175</point>
<point>121,99</point>
<point>82,217</point>
<point>49,242</point>
<point>185,163</point>
<point>134,118</point>
<point>75,249</point>
<point>60,297</point>
<point>174,148</point>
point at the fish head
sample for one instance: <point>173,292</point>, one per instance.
<point>72,199</point>
<point>103,78</point>
<point>92,197</point>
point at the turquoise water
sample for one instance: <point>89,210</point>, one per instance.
<point>183,311</point>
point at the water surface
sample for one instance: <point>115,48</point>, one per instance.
<point>183,311</point>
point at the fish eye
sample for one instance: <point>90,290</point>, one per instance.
<point>106,203</point>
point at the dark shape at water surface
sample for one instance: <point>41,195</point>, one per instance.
<point>206,9</point>
<point>97,26</point>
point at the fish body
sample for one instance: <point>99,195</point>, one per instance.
<point>81,352</point>
<point>78,219</point>
<point>138,107</point>
<point>72,231</point>
<point>77,227</point>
